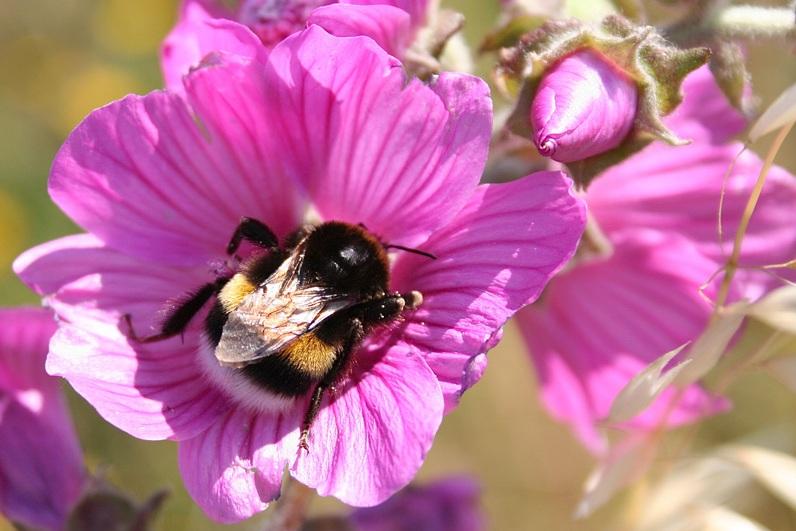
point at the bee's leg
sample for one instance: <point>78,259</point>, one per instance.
<point>387,308</point>
<point>309,416</point>
<point>294,238</point>
<point>253,231</point>
<point>356,331</point>
<point>180,315</point>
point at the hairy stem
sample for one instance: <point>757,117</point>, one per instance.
<point>291,509</point>
<point>753,21</point>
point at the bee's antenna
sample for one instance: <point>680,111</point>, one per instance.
<point>410,250</point>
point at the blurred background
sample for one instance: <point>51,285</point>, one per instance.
<point>59,59</point>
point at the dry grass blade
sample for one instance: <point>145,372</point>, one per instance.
<point>775,470</point>
<point>778,309</point>
<point>784,370</point>
<point>626,462</point>
<point>778,114</point>
<point>707,350</point>
<point>645,387</point>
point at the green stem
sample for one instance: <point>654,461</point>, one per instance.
<point>753,22</point>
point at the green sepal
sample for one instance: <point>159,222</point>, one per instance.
<point>728,66</point>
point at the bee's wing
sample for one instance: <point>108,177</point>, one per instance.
<point>273,316</point>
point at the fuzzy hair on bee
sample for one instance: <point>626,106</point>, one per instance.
<point>288,321</point>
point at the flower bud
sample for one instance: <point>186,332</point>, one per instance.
<point>591,96</point>
<point>584,106</point>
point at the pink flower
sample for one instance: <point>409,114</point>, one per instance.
<point>450,503</point>
<point>41,466</point>
<point>601,322</point>
<point>206,26</point>
<point>584,106</point>
<point>330,126</point>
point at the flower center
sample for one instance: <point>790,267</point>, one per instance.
<point>273,20</point>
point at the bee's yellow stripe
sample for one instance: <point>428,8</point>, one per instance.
<point>310,354</point>
<point>234,291</point>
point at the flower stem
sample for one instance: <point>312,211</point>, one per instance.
<point>751,204</point>
<point>291,509</point>
<point>753,21</point>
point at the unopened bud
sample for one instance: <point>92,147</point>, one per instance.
<point>584,106</point>
<point>590,96</point>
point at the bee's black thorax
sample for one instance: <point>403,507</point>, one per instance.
<point>347,259</point>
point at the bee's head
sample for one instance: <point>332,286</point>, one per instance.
<point>346,258</point>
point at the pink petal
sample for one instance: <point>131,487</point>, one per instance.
<point>234,469</point>
<point>369,148</point>
<point>417,9</point>
<point>389,26</point>
<point>705,114</point>
<point>452,503</point>
<point>24,340</point>
<point>604,321</point>
<point>199,32</point>
<point>370,440</point>
<point>493,258</point>
<point>153,391</point>
<point>146,178</point>
<point>41,466</point>
<point>584,106</point>
<point>678,189</point>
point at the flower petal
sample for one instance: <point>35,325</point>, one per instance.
<point>678,189</point>
<point>492,259</point>
<point>705,115</point>
<point>417,9</point>
<point>41,466</point>
<point>389,26</point>
<point>24,340</point>
<point>446,504</point>
<point>234,469</point>
<point>603,322</point>
<point>197,33</point>
<point>370,149</point>
<point>371,438</point>
<point>152,391</point>
<point>144,173</point>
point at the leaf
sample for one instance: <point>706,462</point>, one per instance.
<point>778,309</point>
<point>784,370</point>
<point>778,114</point>
<point>625,463</point>
<point>645,387</point>
<point>775,470</point>
<point>707,350</point>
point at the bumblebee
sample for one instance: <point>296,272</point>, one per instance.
<point>288,321</point>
